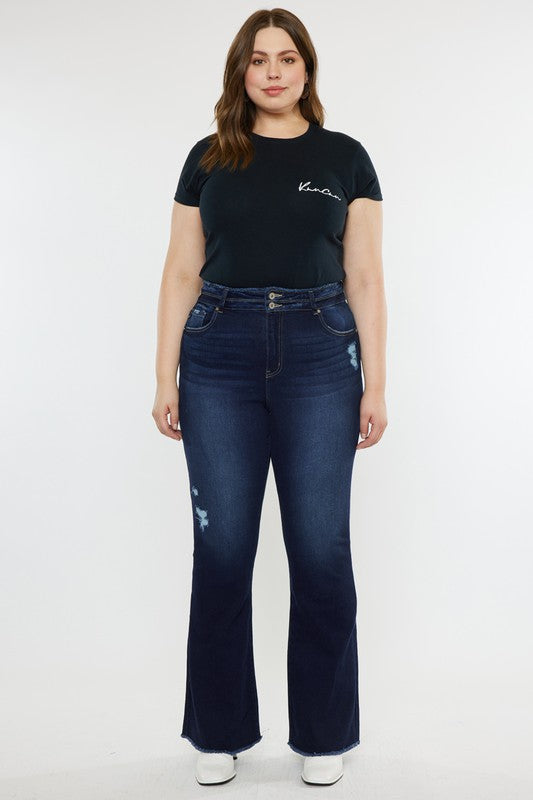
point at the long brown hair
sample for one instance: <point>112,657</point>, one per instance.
<point>234,112</point>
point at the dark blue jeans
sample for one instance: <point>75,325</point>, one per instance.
<point>271,374</point>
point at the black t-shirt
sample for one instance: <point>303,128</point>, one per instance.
<point>279,222</point>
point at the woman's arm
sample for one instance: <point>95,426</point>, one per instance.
<point>365,292</point>
<point>180,287</point>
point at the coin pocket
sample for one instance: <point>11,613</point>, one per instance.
<point>337,319</point>
<point>201,317</point>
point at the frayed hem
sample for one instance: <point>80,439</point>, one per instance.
<point>218,750</point>
<point>329,753</point>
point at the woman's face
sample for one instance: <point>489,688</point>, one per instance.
<point>275,62</point>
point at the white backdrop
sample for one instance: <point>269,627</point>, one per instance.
<point>101,103</point>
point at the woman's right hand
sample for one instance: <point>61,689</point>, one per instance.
<point>165,404</point>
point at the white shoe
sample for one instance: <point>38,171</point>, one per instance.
<point>322,769</point>
<point>215,768</point>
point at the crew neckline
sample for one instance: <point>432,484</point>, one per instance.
<point>284,138</point>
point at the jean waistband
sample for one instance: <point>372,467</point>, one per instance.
<point>271,297</point>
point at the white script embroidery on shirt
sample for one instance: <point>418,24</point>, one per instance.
<point>304,187</point>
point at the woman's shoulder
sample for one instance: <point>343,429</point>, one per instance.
<point>341,139</point>
<point>201,145</point>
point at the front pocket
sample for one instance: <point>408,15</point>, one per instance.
<point>201,317</point>
<point>337,319</point>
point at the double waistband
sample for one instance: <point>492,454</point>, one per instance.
<point>271,297</point>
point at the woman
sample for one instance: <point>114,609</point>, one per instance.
<point>274,253</point>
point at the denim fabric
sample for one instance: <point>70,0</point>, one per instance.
<point>271,374</point>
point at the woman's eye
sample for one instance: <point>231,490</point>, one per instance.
<point>289,58</point>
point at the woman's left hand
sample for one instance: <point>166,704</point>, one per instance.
<point>372,412</point>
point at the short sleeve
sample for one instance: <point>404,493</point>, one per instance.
<point>365,181</point>
<point>191,178</point>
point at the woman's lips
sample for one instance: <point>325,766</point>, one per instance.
<point>274,91</point>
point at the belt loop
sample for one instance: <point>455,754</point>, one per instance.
<point>219,297</point>
<point>222,300</point>
<point>312,299</point>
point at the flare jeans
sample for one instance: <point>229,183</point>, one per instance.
<point>271,374</point>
